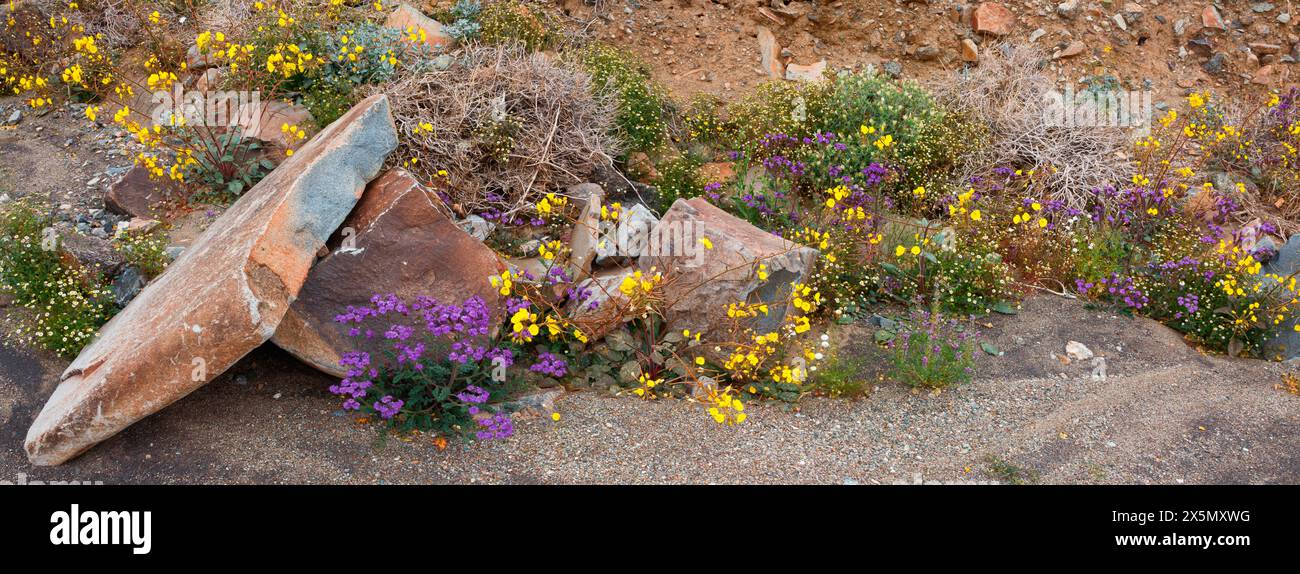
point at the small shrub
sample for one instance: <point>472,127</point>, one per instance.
<point>795,109</point>
<point>328,101</point>
<point>146,251</point>
<point>510,22</point>
<point>842,377</point>
<point>1006,96</point>
<point>558,132</point>
<point>366,53</point>
<point>67,304</point>
<point>898,123</point>
<point>617,75</point>
<point>703,121</point>
<point>679,178</point>
<point>971,279</point>
<point>462,20</point>
<point>227,165</point>
<point>932,352</point>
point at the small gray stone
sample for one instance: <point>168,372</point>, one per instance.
<point>127,285</point>
<point>477,227</point>
<point>893,68</point>
<point>927,53</point>
<point>1215,64</point>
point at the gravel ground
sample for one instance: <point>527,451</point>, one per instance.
<point>1166,414</point>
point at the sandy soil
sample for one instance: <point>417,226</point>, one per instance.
<point>711,46</point>
<point>1165,414</point>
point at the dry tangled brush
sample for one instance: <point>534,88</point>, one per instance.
<point>506,125</point>
<point>1008,93</point>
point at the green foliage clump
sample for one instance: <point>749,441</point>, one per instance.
<point>496,136</point>
<point>328,101</point>
<point>796,109</point>
<point>513,22</point>
<point>228,165</point>
<point>146,251</point>
<point>462,19</point>
<point>366,53</point>
<point>66,304</point>
<point>971,279</point>
<point>904,127</point>
<point>841,377</point>
<point>641,103</point>
<point>931,351</point>
<point>703,121</point>
<point>679,178</point>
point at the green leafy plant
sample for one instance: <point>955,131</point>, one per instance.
<point>146,251</point>
<point>462,19</point>
<point>931,351</point>
<point>329,101</point>
<point>841,377</point>
<point>641,102</point>
<point>513,22</point>
<point>679,178</point>
<point>497,134</point>
<point>1010,473</point>
<point>228,165</point>
<point>778,107</point>
<point>366,53</point>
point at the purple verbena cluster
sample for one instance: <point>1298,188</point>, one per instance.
<point>549,364</point>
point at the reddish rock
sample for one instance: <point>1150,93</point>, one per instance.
<point>210,79</point>
<point>806,73</point>
<point>1073,49</point>
<point>701,282</point>
<point>136,194</point>
<point>770,51</point>
<point>265,121</point>
<point>1265,76</point>
<point>993,18</point>
<point>969,51</point>
<point>718,172</point>
<point>416,26</point>
<point>1210,18</point>
<point>91,254</point>
<point>397,240</point>
<point>222,298</point>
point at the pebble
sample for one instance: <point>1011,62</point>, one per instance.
<point>1077,351</point>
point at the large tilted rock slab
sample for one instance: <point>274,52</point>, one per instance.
<point>222,298</point>
<point>700,282</point>
<point>398,240</point>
